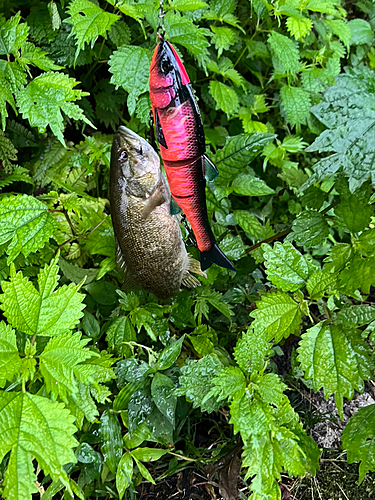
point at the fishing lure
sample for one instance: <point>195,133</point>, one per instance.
<point>179,131</point>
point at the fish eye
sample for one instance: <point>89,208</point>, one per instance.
<point>139,150</point>
<point>123,156</point>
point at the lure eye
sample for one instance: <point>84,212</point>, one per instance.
<point>123,156</point>
<point>166,66</point>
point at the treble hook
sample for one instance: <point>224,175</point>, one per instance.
<point>161,30</point>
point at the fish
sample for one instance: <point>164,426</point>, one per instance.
<point>149,244</point>
<point>180,134</point>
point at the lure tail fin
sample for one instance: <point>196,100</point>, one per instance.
<point>215,256</point>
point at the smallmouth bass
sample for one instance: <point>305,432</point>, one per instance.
<point>149,244</point>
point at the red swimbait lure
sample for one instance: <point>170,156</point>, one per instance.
<point>179,131</point>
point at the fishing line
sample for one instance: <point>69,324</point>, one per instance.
<point>160,29</point>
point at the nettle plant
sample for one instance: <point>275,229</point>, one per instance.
<point>97,381</point>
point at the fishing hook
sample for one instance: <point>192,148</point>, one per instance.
<point>161,30</point>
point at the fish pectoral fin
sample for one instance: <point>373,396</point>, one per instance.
<point>159,131</point>
<point>119,257</point>
<point>194,266</point>
<point>210,171</point>
<point>189,280</point>
<point>156,199</point>
<point>175,209</point>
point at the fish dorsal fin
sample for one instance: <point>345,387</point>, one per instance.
<point>194,266</point>
<point>119,257</point>
<point>189,280</point>
<point>159,131</point>
<point>175,209</point>
<point>209,169</point>
<point>157,198</point>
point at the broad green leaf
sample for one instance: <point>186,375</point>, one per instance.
<point>223,11</point>
<point>122,399</point>
<point>250,415</point>
<point>310,228</point>
<point>196,382</point>
<point>207,295</point>
<point>249,185</point>
<point>252,351</point>
<point>358,439</point>
<point>45,97</point>
<point>341,29</point>
<point>202,344</point>
<point>8,153</point>
<point>131,370</point>
<point>336,359</point>
<point>47,312</point>
<point>144,471</point>
<point>286,52</point>
<point>354,213</point>
<point>34,55</point>
<point>225,97</point>
<point>119,34</point>
<point>321,283</point>
<point>12,34</point>
<point>89,21</point>
<point>251,225</point>
<point>296,104</point>
<point>169,354</point>
<point>119,332</point>
<point>6,96</point>
<point>139,408</point>
<point>223,38</point>
<point>59,360</point>
<point>299,27</point>
<point>238,152</point>
<point>182,30</point>
<point>148,454</point>
<point>359,273</point>
<point>278,315</point>
<point>230,383</point>
<point>360,32</point>
<point>183,5</point>
<point>129,66</point>
<point>286,267</point>
<point>162,392</point>
<point>26,222</point>
<point>33,426</point>
<point>356,315</point>
<point>10,361</point>
<point>111,439</point>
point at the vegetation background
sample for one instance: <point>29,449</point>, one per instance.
<point>97,382</point>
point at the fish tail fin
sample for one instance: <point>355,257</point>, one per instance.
<point>215,256</point>
<point>190,281</point>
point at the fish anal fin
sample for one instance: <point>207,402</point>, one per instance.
<point>157,198</point>
<point>175,209</point>
<point>194,266</point>
<point>159,131</point>
<point>190,281</point>
<point>209,169</point>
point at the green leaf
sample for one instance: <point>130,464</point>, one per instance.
<point>19,174</point>
<point>112,444</point>
<point>162,392</point>
<point>24,418</point>
<point>139,408</point>
<point>8,153</point>
<point>144,472</point>
<point>33,55</point>
<point>10,361</point>
<point>354,212</point>
<point>356,315</point>
<point>286,52</point>
<point>6,96</point>
<point>252,351</point>
<point>336,359</point>
<point>340,29</point>
<point>169,354</point>
<point>358,439</point>
<point>225,97</point>
<point>223,38</point>
<point>89,22</point>
<point>223,11</point>
<point>120,331</point>
<point>359,274</point>
<point>196,382</point>
<point>277,314</point>
<point>12,35</point>
<point>131,370</point>
<point>251,225</point>
<point>45,312</point>
<point>321,283</point>
<point>148,454</point>
<point>286,267</point>
<point>129,66</point>
<point>182,30</point>
<point>59,361</point>
<point>360,32</point>
<point>124,474</point>
<point>120,34</point>
<point>207,295</point>
<point>299,27</point>
<point>238,152</point>
<point>183,5</point>
<point>230,383</point>
<point>250,415</point>
<point>249,185</point>
<point>296,104</point>
<point>26,222</point>
<point>310,229</point>
<point>46,96</point>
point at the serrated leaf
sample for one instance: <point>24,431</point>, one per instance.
<point>10,361</point>
<point>225,97</point>
<point>119,332</point>
<point>26,222</point>
<point>278,315</point>
<point>299,27</point>
<point>33,55</point>
<point>207,295</point>
<point>251,225</point>
<point>45,97</point>
<point>296,103</point>
<point>8,153</point>
<point>112,444</point>
<point>309,229</point>
<point>252,350</point>
<point>196,382</point>
<point>230,383</point>
<point>12,35</point>
<point>45,312</point>
<point>223,11</point>
<point>129,66</point>
<point>356,315</point>
<point>250,415</point>
<point>183,5</point>
<point>238,152</point>
<point>286,52</point>
<point>358,439</point>
<point>336,359</point>
<point>124,474</point>
<point>249,185</point>
<point>19,174</point>
<point>59,360</point>
<point>182,30</point>
<point>321,283</point>
<point>33,426</point>
<point>340,29</point>
<point>89,22</point>
<point>360,32</point>
<point>354,212</point>
<point>223,38</point>
<point>162,392</point>
<point>120,34</point>
<point>286,267</point>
